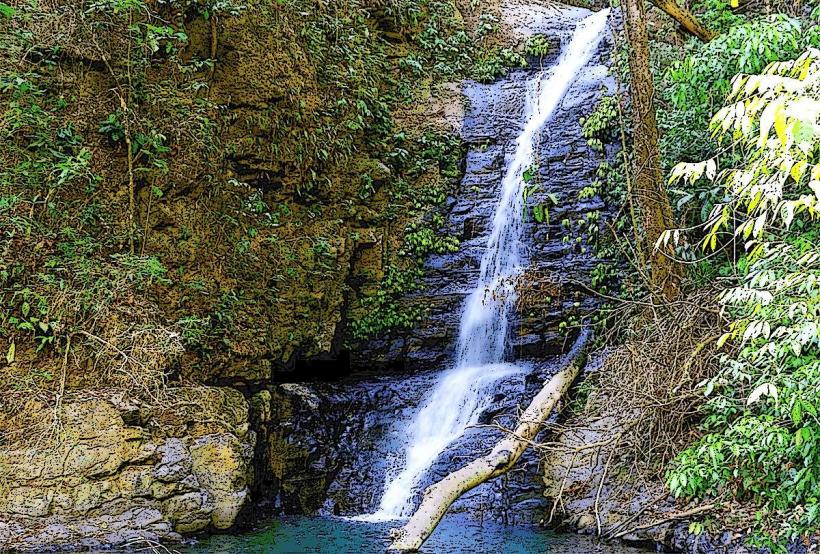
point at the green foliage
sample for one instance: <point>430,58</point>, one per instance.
<point>602,276</point>
<point>415,159</point>
<point>541,212</point>
<point>383,311</point>
<point>746,48</point>
<point>371,77</point>
<point>538,45</point>
<point>700,80</point>
<point>421,241</point>
<point>65,269</point>
<point>116,6</point>
<point>763,426</point>
<point>600,126</point>
<point>487,25</point>
<point>215,8</point>
<point>318,128</point>
<point>444,45</point>
<point>448,51</point>
<point>717,14</point>
<point>113,128</point>
<point>206,218</point>
<point>496,64</point>
<point>195,330</point>
<point>43,159</point>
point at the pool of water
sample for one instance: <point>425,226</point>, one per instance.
<point>453,535</point>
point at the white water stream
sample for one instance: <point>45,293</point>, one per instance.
<point>463,392</point>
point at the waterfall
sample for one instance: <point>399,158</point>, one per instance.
<point>465,390</point>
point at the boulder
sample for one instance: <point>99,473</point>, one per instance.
<point>187,468</point>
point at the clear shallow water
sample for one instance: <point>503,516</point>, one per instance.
<point>453,535</point>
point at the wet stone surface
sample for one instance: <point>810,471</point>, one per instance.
<point>351,436</point>
<point>565,166</point>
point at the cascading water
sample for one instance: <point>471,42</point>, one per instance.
<point>463,392</point>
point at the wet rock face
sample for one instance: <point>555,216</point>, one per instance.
<point>167,471</point>
<point>324,448</point>
<point>328,448</point>
<point>565,165</point>
<point>331,447</point>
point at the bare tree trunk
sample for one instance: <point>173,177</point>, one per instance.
<point>649,187</point>
<point>686,19</point>
<point>438,497</point>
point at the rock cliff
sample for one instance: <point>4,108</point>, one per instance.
<point>119,471</point>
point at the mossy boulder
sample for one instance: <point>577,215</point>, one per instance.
<point>111,470</point>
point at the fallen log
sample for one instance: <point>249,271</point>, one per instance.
<point>438,497</point>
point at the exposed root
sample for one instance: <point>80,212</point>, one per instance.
<point>654,377</point>
<point>605,466</point>
<point>145,545</point>
<point>670,517</point>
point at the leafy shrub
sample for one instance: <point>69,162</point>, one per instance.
<point>699,81</point>
<point>599,127</point>
<point>538,45</point>
<point>496,64</point>
<point>763,427</point>
<point>383,310</point>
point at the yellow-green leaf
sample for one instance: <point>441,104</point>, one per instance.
<point>723,338</point>
<point>798,170</point>
<point>760,223</point>
<point>780,123</point>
